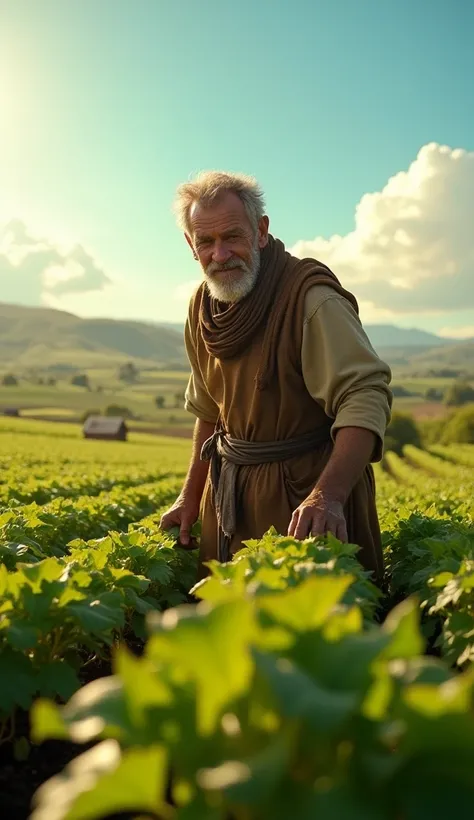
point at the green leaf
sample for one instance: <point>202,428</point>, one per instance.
<point>71,594</point>
<point>343,665</point>
<point>403,625</point>
<point>125,579</point>
<point>17,681</point>
<point>160,572</point>
<point>250,782</point>
<point>21,749</point>
<point>102,614</point>
<point>140,605</point>
<point>199,810</point>
<point>99,707</point>
<point>339,802</point>
<point>435,797</point>
<point>300,697</point>
<point>81,578</point>
<point>152,689</point>
<point>216,591</point>
<point>453,696</point>
<point>103,781</point>
<point>21,635</point>
<point>308,605</point>
<point>139,626</point>
<point>378,697</point>
<point>47,722</point>
<point>209,647</point>
<point>57,678</point>
<point>441,579</point>
<point>50,569</point>
<point>37,603</point>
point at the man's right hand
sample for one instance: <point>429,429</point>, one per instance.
<point>183,514</point>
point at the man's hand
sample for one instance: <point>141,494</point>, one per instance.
<point>185,510</point>
<point>183,514</point>
<point>317,515</point>
<point>323,510</point>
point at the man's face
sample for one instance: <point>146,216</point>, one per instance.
<point>227,247</point>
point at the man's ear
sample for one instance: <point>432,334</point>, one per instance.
<point>190,243</point>
<point>263,225</point>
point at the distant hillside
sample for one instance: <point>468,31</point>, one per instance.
<point>41,337</point>
<point>387,336</point>
<point>460,355</point>
<point>390,336</point>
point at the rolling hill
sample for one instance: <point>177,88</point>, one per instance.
<point>35,337</point>
<point>41,337</point>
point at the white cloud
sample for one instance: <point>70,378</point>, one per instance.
<point>36,270</point>
<point>465,332</point>
<point>183,292</point>
<point>56,275</point>
<point>412,248</point>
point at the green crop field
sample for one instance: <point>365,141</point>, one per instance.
<point>283,685</point>
<point>64,402</point>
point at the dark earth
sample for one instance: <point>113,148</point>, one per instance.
<point>20,779</point>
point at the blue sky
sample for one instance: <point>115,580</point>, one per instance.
<point>107,105</point>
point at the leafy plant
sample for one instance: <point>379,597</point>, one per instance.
<point>274,705</point>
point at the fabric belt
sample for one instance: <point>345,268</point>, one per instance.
<point>227,454</point>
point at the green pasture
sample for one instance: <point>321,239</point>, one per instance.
<point>65,399</point>
<point>419,386</point>
<point>31,439</point>
<point>66,402</point>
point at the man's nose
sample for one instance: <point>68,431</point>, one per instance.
<point>220,252</point>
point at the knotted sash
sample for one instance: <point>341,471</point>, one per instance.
<point>226,454</point>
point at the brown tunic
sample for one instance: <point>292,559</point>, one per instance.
<point>313,385</point>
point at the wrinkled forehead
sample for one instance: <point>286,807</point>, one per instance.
<point>224,213</point>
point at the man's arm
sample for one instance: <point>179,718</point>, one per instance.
<point>352,452</point>
<point>185,510</point>
<point>346,377</point>
<point>323,510</point>
<point>197,472</point>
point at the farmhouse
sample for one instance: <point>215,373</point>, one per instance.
<point>105,427</point>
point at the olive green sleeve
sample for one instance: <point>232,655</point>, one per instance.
<point>197,399</point>
<point>342,371</point>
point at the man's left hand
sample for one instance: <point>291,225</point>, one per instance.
<point>317,515</point>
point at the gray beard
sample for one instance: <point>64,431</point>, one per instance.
<point>238,282</point>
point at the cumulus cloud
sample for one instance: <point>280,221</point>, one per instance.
<point>183,292</point>
<point>412,248</point>
<point>38,271</point>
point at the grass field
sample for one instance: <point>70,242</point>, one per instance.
<point>65,402</point>
<point>293,645</point>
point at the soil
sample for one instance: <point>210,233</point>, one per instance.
<point>19,780</point>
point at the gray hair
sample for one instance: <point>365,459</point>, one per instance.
<point>209,185</point>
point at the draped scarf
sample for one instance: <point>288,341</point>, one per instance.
<point>229,329</point>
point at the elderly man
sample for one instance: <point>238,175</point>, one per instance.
<point>291,401</point>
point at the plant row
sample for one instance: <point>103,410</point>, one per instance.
<point>432,556</point>
<point>40,487</point>
<point>62,613</point>
<point>275,696</point>
<point>31,533</point>
<point>438,466</point>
